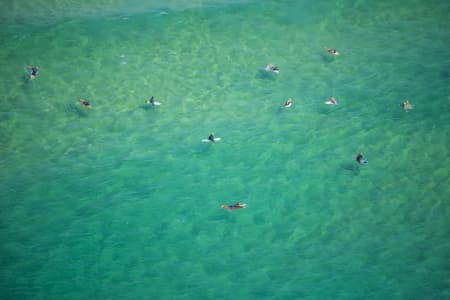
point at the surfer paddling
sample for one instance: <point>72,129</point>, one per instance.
<point>235,206</point>
<point>85,103</point>
<point>332,51</point>
<point>272,68</point>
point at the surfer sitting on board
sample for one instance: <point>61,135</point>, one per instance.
<point>235,206</point>
<point>151,101</point>
<point>288,102</point>
<point>331,101</point>
<point>359,158</point>
<point>406,105</point>
<point>211,137</point>
<point>34,71</point>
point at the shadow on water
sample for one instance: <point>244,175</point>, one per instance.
<point>73,108</point>
<point>27,83</point>
<point>349,168</point>
<point>263,74</point>
<point>147,107</point>
<point>281,109</point>
<point>324,109</point>
<point>221,216</point>
<point>327,57</point>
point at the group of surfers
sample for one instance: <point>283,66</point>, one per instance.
<point>270,68</point>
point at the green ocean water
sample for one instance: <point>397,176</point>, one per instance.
<point>123,201</point>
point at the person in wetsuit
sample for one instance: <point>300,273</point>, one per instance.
<point>235,206</point>
<point>332,51</point>
<point>34,72</point>
<point>272,68</point>
<point>359,158</point>
<point>85,103</point>
<point>211,137</point>
<point>151,101</point>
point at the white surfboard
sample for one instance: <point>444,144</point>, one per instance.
<point>288,105</point>
<point>207,141</point>
<point>329,50</point>
<point>269,69</point>
<point>156,103</point>
<point>363,161</point>
<point>331,103</point>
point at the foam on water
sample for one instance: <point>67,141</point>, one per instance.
<point>123,201</point>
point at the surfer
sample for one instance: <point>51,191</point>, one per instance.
<point>406,105</point>
<point>151,101</point>
<point>331,101</point>
<point>34,72</point>
<point>211,137</point>
<point>272,68</point>
<point>235,206</point>
<point>288,102</point>
<point>332,51</point>
<point>359,158</point>
<point>85,103</point>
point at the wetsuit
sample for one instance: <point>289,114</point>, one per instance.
<point>359,157</point>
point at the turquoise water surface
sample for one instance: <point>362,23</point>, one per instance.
<point>123,201</point>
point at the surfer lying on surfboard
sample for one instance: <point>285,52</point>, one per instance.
<point>235,206</point>
<point>332,51</point>
<point>272,68</point>
<point>85,103</point>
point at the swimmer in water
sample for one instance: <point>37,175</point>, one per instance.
<point>332,51</point>
<point>235,206</point>
<point>151,101</point>
<point>360,158</point>
<point>34,72</point>
<point>272,68</point>
<point>211,137</point>
<point>85,103</point>
<point>288,102</point>
<point>406,105</point>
